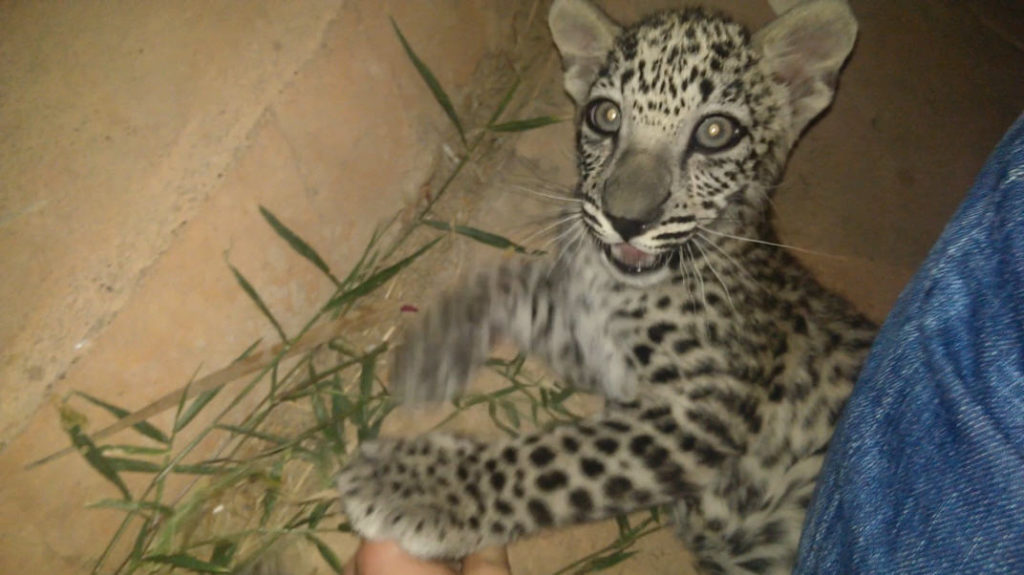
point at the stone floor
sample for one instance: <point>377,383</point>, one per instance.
<point>138,141</point>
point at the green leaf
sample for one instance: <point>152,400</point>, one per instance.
<point>277,439</point>
<point>139,546</point>
<point>96,459</point>
<point>298,244</point>
<point>372,430</point>
<point>139,466</point>
<point>622,521</point>
<point>273,491</point>
<point>366,377</point>
<point>608,561</point>
<point>143,427</point>
<point>188,562</point>
<point>255,297</point>
<point>130,506</point>
<point>195,407</point>
<point>378,279</point>
<point>135,449</point>
<point>525,125</point>
<point>432,83</point>
<point>223,553</point>
<point>252,347</point>
<point>511,413</point>
<point>328,554</point>
<point>483,237</point>
<point>505,100</point>
<point>318,513</point>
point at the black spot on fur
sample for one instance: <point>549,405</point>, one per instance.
<point>657,332</point>
<point>706,88</point>
<point>684,345</point>
<point>665,374</point>
<point>503,507</point>
<point>552,480</point>
<point>591,467</point>
<point>655,413</point>
<point>510,455</point>
<point>616,425</point>
<point>666,426</point>
<point>756,565</point>
<point>581,501</point>
<point>800,325</point>
<point>655,457</point>
<point>541,456</point>
<point>498,480</point>
<point>643,353</point>
<point>540,513</point>
<point>617,486</point>
<point>607,445</point>
<point>639,444</point>
<point>570,444</point>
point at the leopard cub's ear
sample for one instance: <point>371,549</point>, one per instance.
<point>584,35</point>
<point>804,49</point>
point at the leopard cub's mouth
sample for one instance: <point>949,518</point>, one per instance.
<point>632,260</point>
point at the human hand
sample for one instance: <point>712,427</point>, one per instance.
<point>386,558</point>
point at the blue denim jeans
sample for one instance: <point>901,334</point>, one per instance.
<point>925,473</point>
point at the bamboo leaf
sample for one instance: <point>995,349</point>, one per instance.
<point>525,125</point>
<point>195,407</point>
<point>277,439</point>
<point>187,561</point>
<point>432,83</point>
<point>608,561</point>
<point>252,347</point>
<point>332,422</point>
<point>328,554</point>
<point>128,465</point>
<point>300,246</point>
<point>143,427</point>
<point>96,459</point>
<point>273,491</point>
<point>505,100</point>
<point>223,553</point>
<point>255,297</point>
<point>372,430</point>
<point>378,279</point>
<point>318,513</point>
<point>139,547</point>
<point>487,238</point>
<point>130,506</point>
<point>135,449</point>
<point>511,413</point>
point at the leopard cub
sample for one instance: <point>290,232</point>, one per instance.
<point>724,364</point>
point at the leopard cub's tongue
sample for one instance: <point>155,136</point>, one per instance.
<point>633,257</point>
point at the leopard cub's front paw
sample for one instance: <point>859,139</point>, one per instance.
<point>422,493</point>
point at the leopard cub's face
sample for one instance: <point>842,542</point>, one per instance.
<point>680,136</point>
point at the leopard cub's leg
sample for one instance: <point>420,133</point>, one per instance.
<point>442,496</point>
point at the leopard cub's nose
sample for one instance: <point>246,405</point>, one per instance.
<point>626,227</point>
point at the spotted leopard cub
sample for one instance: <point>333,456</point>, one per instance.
<point>724,363</point>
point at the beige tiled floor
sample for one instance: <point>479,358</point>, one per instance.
<point>136,144</point>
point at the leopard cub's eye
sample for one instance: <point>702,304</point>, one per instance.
<point>717,133</point>
<point>604,117</point>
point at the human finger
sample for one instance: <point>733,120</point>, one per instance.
<point>386,557</point>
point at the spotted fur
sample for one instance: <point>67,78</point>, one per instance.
<point>724,363</point>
